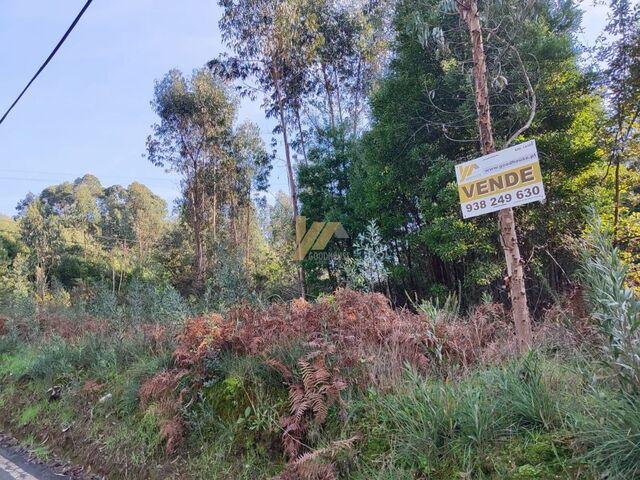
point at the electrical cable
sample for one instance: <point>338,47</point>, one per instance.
<point>42,67</point>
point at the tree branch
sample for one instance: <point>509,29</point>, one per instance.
<point>532,95</point>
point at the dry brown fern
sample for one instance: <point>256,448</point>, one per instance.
<point>158,393</point>
<point>309,400</point>
<point>280,367</point>
<point>317,464</point>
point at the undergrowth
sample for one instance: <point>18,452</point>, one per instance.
<point>346,387</point>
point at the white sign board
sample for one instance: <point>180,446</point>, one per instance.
<point>503,179</point>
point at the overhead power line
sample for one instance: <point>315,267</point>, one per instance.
<point>42,67</point>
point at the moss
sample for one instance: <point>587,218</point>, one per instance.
<point>542,456</point>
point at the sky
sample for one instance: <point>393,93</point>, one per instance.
<point>89,110</point>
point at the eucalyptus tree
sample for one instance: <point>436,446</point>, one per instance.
<point>41,233</point>
<point>352,56</point>
<point>514,281</point>
<point>196,138</point>
<point>144,219</point>
<point>620,52</point>
<point>424,121</point>
<point>272,42</point>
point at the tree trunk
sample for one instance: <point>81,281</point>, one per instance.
<point>197,205</point>
<point>124,264</point>
<point>338,96</point>
<point>616,208</point>
<point>514,281</point>
<point>214,214</point>
<point>287,154</point>
<point>199,260</point>
<point>247,245</point>
<point>327,88</point>
<point>301,133</point>
<point>356,103</point>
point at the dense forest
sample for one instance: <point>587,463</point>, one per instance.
<point>372,113</point>
<point>374,104</point>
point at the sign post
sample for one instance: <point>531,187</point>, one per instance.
<point>500,180</point>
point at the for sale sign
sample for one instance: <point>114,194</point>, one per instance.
<point>503,179</point>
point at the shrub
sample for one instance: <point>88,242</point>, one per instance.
<point>9,339</point>
<point>366,270</point>
<point>103,303</point>
<point>128,394</point>
<point>146,302</point>
<point>524,396</point>
<point>615,306</point>
<point>59,359</point>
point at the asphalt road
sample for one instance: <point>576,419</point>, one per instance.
<point>14,466</point>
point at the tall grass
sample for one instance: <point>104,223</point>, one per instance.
<point>609,427</point>
<point>451,427</point>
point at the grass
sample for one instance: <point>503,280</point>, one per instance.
<point>609,428</point>
<point>40,450</point>
<point>519,420</point>
<point>501,422</point>
<point>534,417</point>
<point>29,414</point>
<point>18,364</point>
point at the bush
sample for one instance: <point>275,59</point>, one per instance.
<point>615,306</point>
<point>17,305</point>
<point>59,360</point>
<point>103,303</point>
<point>146,302</point>
<point>128,393</point>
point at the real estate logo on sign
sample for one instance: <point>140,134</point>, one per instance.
<point>503,179</point>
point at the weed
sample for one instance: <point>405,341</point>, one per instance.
<point>127,391</point>
<point>29,414</point>
<point>36,448</point>
<point>453,427</point>
<point>18,364</point>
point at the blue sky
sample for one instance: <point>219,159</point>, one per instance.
<point>89,111</point>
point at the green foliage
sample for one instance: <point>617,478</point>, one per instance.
<point>441,310</point>
<point>17,364</point>
<point>400,172</point>
<point>445,429</point>
<point>154,303</point>
<point>228,284</point>
<point>610,428</point>
<point>220,164</point>
<point>616,307</point>
<point>29,414</point>
<point>127,392</point>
